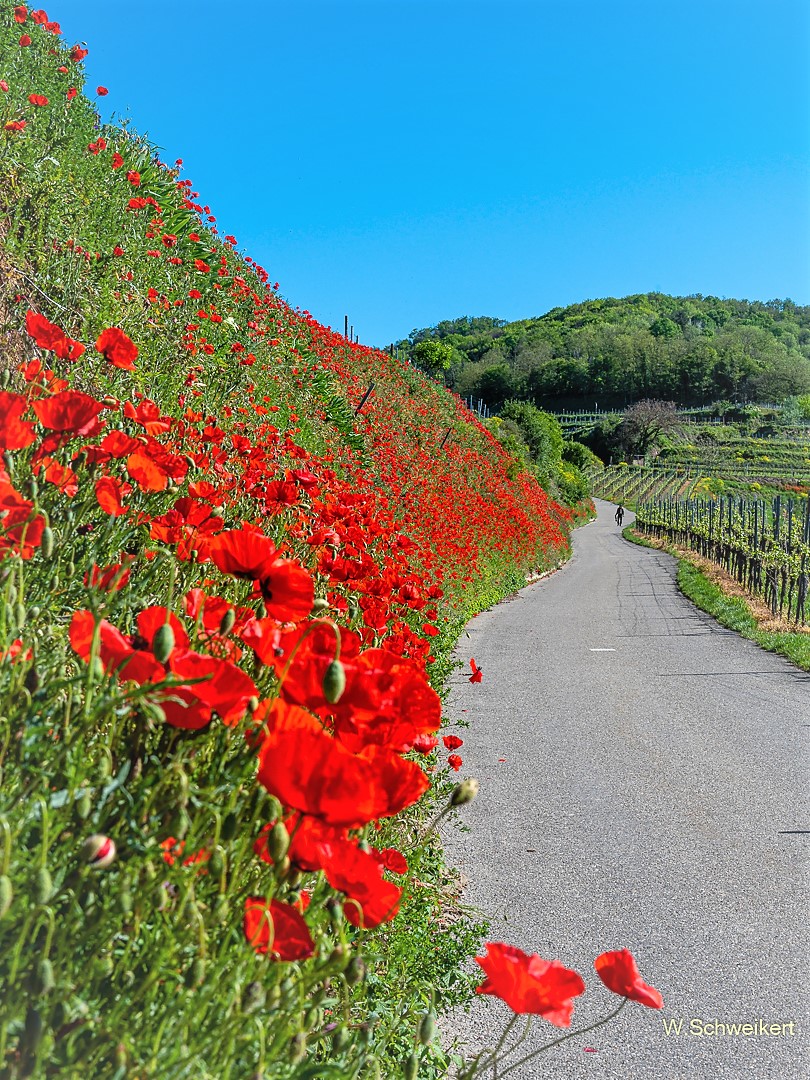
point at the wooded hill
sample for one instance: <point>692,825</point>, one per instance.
<point>692,350</point>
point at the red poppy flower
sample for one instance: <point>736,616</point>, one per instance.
<point>277,928</point>
<point>69,411</point>
<point>308,770</point>
<point>477,672</point>
<point>455,762</point>
<point>147,414</point>
<point>15,433</point>
<point>51,337</point>
<point>117,160</point>
<point>38,99</point>
<point>14,125</point>
<point>529,984</point>
<point>152,467</point>
<point>20,529</point>
<point>371,899</point>
<point>134,178</point>
<point>77,54</point>
<point>114,344</point>
<point>102,91</point>
<point>110,493</point>
<point>619,972</point>
<point>452,742</point>
<point>40,17</point>
<point>25,41</point>
<point>20,14</point>
<point>393,860</point>
<point>109,578</point>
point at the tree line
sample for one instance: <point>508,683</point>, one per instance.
<point>611,352</point>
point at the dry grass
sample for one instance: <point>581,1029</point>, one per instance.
<point>765,619</point>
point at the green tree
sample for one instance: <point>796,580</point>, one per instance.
<point>434,357</point>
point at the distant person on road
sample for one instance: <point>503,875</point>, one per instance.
<point>619,515</point>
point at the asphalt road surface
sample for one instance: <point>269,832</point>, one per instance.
<point>654,796</point>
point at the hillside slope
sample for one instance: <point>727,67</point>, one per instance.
<point>231,578</point>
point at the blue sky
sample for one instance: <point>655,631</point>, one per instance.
<point>406,161</point>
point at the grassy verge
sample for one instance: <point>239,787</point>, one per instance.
<point>721,596</point>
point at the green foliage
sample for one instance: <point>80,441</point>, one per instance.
<point>434,357</point>
<point>691,350</point>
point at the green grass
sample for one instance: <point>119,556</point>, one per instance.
<point>731,611</point>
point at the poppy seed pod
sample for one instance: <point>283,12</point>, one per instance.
<point>228,619</point>
<point>465,792</point>
<point>98,851</point>
<point>163,643</point>
<point>334,682</point>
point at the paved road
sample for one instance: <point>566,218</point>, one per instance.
<point>652,797</point>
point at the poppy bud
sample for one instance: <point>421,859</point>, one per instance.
<point>298,1048</point>
<point>253,997</point>
<point>278,842</point>
<point>46,543</point>
<point>97,669</point>
<point>195,976</point>
<point>216,864</point>
<point>44,981</point>
<point>340,1040</point>
<point>43,886</point>
<point>84,805</point>
<point>253,704</point>
<point>98,851</point>
<point>427,1029</point>
<point>6,894</point>
<point>228,619</point>
<point>163,643</point>
<point>125,901</point>
<point>229,826</point>
<point>5,378</point>
<point>34,488</point>
<point>334,682</point>
<point>320,604</point>
<point>464,792</point>
<point>20,615</point>
<point>261,611</point>
<point>32,1032</point>
<point>313,1018</point>
<point>411,1067</point>
<point>355,971</point>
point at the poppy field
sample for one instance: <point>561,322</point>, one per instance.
<point>236,552</point>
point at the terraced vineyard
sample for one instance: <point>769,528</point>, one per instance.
<point>713,462</point>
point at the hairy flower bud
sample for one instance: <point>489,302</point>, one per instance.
<point>98,851</point>
<point>228,619</point>
<point>163,643</point>
<point>278,842</point>
<point>6,894</point>
<point>334,682</point>
<point>465,792</point>
<point>427,1029</point>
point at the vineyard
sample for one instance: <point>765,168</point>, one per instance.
<point>764,545</point>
